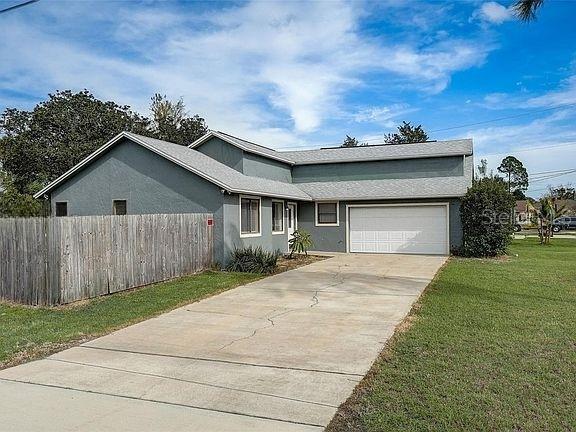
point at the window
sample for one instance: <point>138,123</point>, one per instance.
<point>327,213</point>
<point>119,207</point>
<point>277,217</point>
<point>249,216</point>
<point>61,209</point>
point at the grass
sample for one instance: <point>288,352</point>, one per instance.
<point>490,346</point>
<point>27,333</point>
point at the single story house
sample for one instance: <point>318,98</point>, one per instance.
<point>524,212</point>
<point>375,199</point>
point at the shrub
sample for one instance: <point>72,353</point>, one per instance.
<point>300,242</point>
<point>486,212</point>
<point>253,260</point>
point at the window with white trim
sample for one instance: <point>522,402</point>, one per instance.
<point>250,216</point>
<point>327,213</point>
<point>277,217</point>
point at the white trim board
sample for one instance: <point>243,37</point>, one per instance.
<point>248,235</point>
<point>283,216</point>
<point>337,213</point>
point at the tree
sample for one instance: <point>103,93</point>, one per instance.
<point>525,10</point>
<point>482,168</point>
<point>546,212</point>
<point>517,176</point>
<point>15,204</point>
<point>485,214</point>
<point>350,142</point>
<point>519,194</point>
<point>40,145</point>
<point>562,192</point>
<point>171,122</point>
<point>407,134</point>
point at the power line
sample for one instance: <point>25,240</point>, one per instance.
<point>552,176</point>
<point>555,171</point>
<point>26,3</point>
<point>569,144</point>
<point>505,118</point>
<point>377,141</point>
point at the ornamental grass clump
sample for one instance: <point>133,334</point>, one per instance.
<point>253,260</point>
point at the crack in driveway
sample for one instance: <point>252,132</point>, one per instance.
<point>270,319</point>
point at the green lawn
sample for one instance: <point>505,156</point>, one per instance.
<point>27,333</point>
<point>492,346</point>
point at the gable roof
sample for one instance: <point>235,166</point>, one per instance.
<point>244,145</point>
<point>234,181</point>
<point>461,147</point>
<point>204,166</point>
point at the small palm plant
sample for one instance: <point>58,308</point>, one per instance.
<point>546,213</point>
<point>300,242</point>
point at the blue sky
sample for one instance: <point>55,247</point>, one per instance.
<point>304,74</point>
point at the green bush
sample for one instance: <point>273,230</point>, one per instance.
<point>486,218</point>
<point>16,204</point>
<point>300,242</point>
<point>253,260</point>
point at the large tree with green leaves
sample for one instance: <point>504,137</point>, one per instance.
<point>515,174</point>
<point>407,134</point>
<point>172,123</point>
<point>16,204</point>
<point>39,145</point>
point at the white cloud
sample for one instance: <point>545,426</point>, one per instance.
<point>383,115</point>
<point>270,73</point>
<point>524,141</point>
<point>494,13</point>
<point>565,94</point>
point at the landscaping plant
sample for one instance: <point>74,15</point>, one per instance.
<point>253,260</point>
<point>545,216</point>
<point>486,222</point>
<point>300,242</point>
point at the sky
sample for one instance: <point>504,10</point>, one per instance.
<point>295,75</point>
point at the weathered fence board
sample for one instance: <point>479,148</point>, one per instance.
<point>47,261</point>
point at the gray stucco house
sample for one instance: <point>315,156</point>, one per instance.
<point>378,199</point>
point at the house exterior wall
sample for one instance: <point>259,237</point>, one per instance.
<point>333,238</point>
<point>233,239</point>
<point>377,170</point>
<point>258,166</point>
<point>247,163</point>
<point>149,184</point>
<point>223,152</point>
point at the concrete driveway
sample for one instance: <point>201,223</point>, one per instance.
<point>279,354</point>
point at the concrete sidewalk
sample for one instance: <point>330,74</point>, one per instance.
<point>279,354</point>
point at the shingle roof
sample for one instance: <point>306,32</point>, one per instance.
<point>381,152</point>
<point>348,154</point>
<point>228,178</point>
<point>387,189</point>
<point>244,145</point>
<point>200,164</point>
<point>235,182</point>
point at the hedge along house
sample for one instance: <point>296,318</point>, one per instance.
<point>374,199</point>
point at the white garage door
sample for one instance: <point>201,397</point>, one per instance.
<point>399,229</point>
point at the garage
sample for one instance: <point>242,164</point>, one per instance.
<point>409,229</point>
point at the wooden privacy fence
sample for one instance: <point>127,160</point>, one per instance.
<point>48,261</point>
